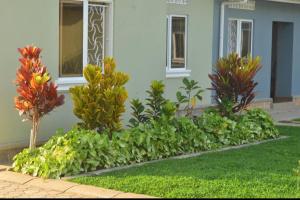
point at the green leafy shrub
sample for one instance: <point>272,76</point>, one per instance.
<point>62,155</point>
<point>257,124</point>
<point>254,125</point>
<point>192,93</point>
<point>155,100</point>
<point>220,128</point>
<point>138,115</point>
<point>76,152</point>
<point>80,151</point>
<point>233,82</point>
<point>192,139</point>
<point>100,103</point>
<point>169,110</point>
<point>157,106</point>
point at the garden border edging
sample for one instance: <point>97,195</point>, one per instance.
<point>102,171</point>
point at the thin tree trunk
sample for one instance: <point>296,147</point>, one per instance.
<point>33,135</point>
<point>31,144</point>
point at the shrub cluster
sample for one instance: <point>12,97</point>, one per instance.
<point>99,141</point>
<point>233,82</point>
<point>254,125</point>
<point>80,150</point>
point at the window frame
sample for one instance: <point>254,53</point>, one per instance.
<point>239,35</point>
<point>64,83</point>
<point>176,72</point>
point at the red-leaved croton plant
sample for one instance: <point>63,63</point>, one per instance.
<point>37,94</point>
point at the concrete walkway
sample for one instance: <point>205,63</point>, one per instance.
<point>15,185</point>
<point>284,111</point>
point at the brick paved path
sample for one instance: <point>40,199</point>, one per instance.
<point>15,185</point>
<point>16,190</point>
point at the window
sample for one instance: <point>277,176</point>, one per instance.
<point>176,43</point>
<point>240,36</point>
<point>85,35</point>
<point>71,40</point>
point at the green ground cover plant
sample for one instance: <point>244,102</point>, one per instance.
<point>80,150</point>
<point>262,171</point>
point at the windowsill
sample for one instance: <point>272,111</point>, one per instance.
<point>178,73</point>
<point>64,84</point>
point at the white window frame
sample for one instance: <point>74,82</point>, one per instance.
<point>239,35</point>
<point>64,83</point>
<point>171,72</point>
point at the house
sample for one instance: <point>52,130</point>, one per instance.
<point>266,28</point>
<point>150,40</point>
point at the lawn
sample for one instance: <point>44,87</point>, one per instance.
<point>258,171</point>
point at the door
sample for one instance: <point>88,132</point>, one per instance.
<point>282,61</point>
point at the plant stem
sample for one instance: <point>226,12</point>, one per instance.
<point>34,130</point>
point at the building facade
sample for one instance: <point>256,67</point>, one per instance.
<point>150,40</point>
<point>269,29</point>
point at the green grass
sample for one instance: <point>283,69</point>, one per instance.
<point>259,171</point>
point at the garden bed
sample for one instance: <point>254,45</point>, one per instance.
<point>155,132</point>
<point>80,151</point>
<point>103,171</point>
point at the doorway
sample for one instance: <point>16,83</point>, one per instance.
<point>282,62</point>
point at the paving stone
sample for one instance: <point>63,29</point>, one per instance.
<point>3,167</point>
<point>14,185</point>
<point>15,177</point>
<point>93,191</point>
<point>51,184</point>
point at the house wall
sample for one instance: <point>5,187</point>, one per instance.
<point>142,35</point>
<point>139,48</point>
<point>27,22</point>
<point>200,35</point>
<point>265,13</point>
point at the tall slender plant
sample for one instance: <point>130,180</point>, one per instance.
<point>157,106</point>
<point>37,94</point>
<point>138,115</point>
<point>155,101</point>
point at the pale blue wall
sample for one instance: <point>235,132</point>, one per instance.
<point>263,17</point>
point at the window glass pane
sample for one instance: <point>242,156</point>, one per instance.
<point>71,40</point>
<point>96,34</point>
<point>246,38</point>
<point>178,42</point>
<point>232,36</point>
